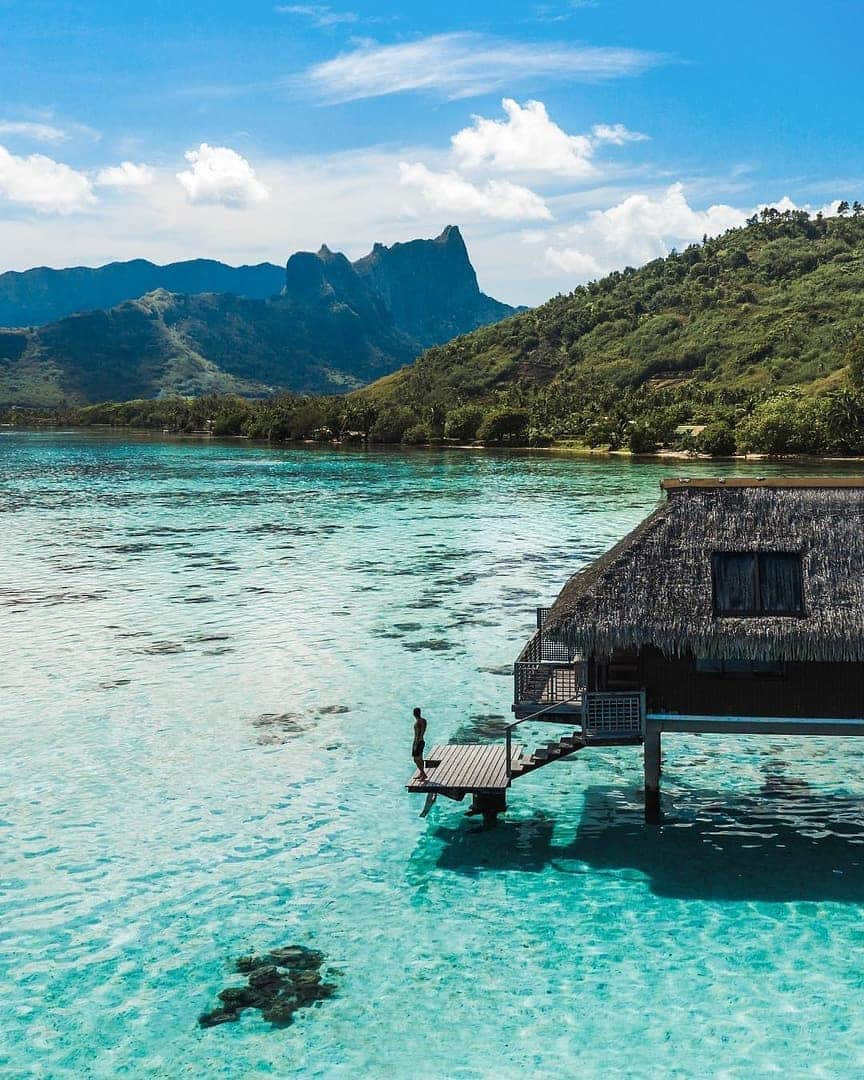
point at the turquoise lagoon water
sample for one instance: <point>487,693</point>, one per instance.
<point>209,657</point>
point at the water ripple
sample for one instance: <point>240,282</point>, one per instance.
<point>208,686</point>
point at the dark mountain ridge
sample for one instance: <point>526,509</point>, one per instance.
<point>42,295</point>
<point>421,282</point>
<point>334,326</point>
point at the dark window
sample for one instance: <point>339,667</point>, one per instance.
<point>757,583</point>
<point>734,584</point>
<point>780,582</point>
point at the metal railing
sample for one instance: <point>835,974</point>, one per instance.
<point>552,647</point>
<point>548,684</point>
<point>606,714</point>
<point>613,714</point>
<point>545,660</point>
<point>508,733</point>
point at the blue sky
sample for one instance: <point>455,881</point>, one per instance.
<point>565,138</point>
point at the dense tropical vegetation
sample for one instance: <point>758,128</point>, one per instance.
<point>750,342</point>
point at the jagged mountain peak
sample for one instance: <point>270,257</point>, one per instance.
<point>450,234</point>
<point>335,325</point>
<point>420,277</point>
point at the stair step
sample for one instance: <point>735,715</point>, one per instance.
<point>551,752</point>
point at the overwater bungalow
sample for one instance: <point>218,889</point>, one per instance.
<point>737,606</point>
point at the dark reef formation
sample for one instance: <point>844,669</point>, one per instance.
<point>278,983</point>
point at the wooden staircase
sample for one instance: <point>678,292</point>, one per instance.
<point>545,755</point>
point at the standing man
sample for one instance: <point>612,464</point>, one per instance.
<point>419,744</point>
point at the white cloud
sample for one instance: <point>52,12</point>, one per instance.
<point>220,176</point>
<point>351,199</point>
<point>640,228</point>
<point>452,193</point>
<point>581,264</point>
<point>616,134</point>
<point>125,175</point>
<point>460,65</point>
<point>552,13</point>
<point>527,141</point>
<point>42,184</point>
<point>320,14</point>
<point>31,129</point>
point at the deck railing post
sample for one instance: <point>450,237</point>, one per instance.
<point>507,750</point>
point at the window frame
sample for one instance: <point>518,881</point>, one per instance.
<point>758,612</point>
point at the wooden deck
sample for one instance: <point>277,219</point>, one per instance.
<point>466,768</point>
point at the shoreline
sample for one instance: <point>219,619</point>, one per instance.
<point>362,444</point>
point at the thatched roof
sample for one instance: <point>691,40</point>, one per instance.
<point>655,586</point>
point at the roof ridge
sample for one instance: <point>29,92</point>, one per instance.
<point>719,483</point>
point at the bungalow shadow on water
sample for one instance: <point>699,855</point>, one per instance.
<point>782,843</point>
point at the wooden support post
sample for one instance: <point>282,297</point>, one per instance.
<point>652,771</point>
<point>489,804</point>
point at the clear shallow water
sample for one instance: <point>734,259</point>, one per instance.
<point>180,625</point>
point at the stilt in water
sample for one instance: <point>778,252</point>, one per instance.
<point>652,772</point>
<point>489,804</point>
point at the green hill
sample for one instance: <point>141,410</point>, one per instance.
<point>751,341</point>
<point>335,326</point>
<point>708,335</point>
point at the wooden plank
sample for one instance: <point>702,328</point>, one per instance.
<point>442,754</point>
<point>474,766</point>
<point>494,773</point>
<point>466,767</point>
<point>447,773</point>
<point>480,765</point>
<point>437,753</point>
<point>498,777</point>
<point>452,772</point>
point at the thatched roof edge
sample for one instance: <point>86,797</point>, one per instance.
<point>654,586</point>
